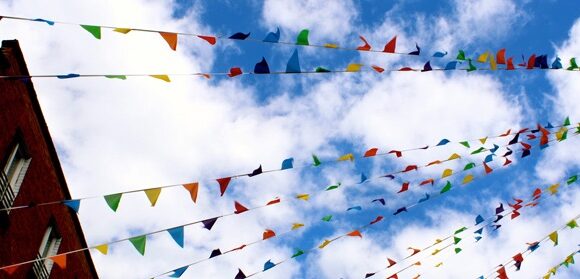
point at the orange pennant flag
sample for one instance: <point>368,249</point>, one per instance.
<point>59,260</point>
<point>170,38</point>
<point>209,39</point>
<point>355,233</point>
<point>10,270</point>
<point>268,234</point>
<point>192,188</point>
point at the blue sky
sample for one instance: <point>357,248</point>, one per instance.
<point>115,136</point>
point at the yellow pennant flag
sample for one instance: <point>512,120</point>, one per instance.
<point>438,240</point>
<point>330,45</point>
<point>103,248</point>
<point>122,30</point>
<point>439,264</point>
<point>153,195</point>
<point>161,77</point>
<point>468,178</point>
<point>346,157</point>
<point>435,252</point>
<point>303,197</point>
<point>554,237</point>
<point>554,188</point>
<point>560,133</point>
<point>492,63</point>
<point>453,157</point>
<point>296,226</point>
<point>483,140</point>
<point>446,173</point>
<point>353,67</point>
<point>326,242</point>
<point>483,57</point>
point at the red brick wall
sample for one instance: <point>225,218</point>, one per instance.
<point>22,232</point>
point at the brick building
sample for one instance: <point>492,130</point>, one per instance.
<point>30,173</point>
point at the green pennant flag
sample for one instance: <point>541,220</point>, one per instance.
<point>479,150</point>
<point>469,166</point>
<point>332,187</point>
<point>298,253</point>
<point>465,143</point>
<point>572,224</point>
<point>322,70</point>
<point>460,230</point>
<point>461,55</point>
<point>139,243</point>
<point>316,161</point>
<point>567,121</point>
<point>457,250</point>
<point>327,218</point>
<point>94,30</point>
<point>471,67</point>
<point>113,200</point>
<point>446,188</point>
<point>573,64</point>
<point>572,179</point>
<point>302,38</point>
<point>456,240</point>
<point>116,77</point>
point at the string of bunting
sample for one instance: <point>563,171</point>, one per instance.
<point>176,233</point>
<point>501,272</point>
<point>113,200</point>
<point>480,224</point>
<point>569,260</point>
<point>357,231</point>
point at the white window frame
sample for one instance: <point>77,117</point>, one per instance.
<point>48,247</point>
<point>15,170</point>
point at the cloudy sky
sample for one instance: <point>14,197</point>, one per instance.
<point>115,135</point>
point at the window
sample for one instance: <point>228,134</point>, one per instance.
<point>13,174</point>
<point>49,247</point>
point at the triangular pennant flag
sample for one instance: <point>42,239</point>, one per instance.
<point>256,171</point>
<point>424,199</point>
<point>324,244</point>
<point>488,170</point>
<point>439,54</point>
<point>178,272</point>
<point>170,38</point>
<point>397,153</point>
<point>274,201</point>
<point>59,260</point>
<point>346,157</point>
<point>554,188</point>
<point>366,45</point>
<point>363,178</point>
<point>427,181</point>
<point>572,224</point>
<point>446,188</point>
<point>557,64</point>
<point>416,52</point>
<point>332,187</point>
<point>478,220</point>
<point>327,218</point>
<point>462,229</point>
<point>73,204</point>
<point>94,30</point>
<point>376,220</point>
<point>208,223</point>
<point>192,188</point>
<point>510,64</point>
<point>316,161</point>
<point>287,164</point>
<point>139,243</point>
<point>479,231</point>
<point>391,45</point>
<point>122,30</point>
<point>451,66</point>
<point>223,182</point>
<point>460,55</point>
<point>400,210</point>
<point>404,187</point>
<point>443,142</point>
<point>161,77</point>
<point>293,65</point>
<point>382,201</point>
<point>483,57</point>
<point>239,208</point>
<point>469,166</point>
<point>479,150</point>
<point>113,201</point>
<point>303,197</point>
<point>235,71</point>
<point>573,64</point>
<point>302,38</point>
<point>262,67</point>
<point>353,67</point>
<point>49,22</point>
<point>177,235</point>
<point>268,234</point>
<point>369,275</point>
<point>414,250</point>
<point>239,36</point>
<point>209,39</point>
<point>122,77</point>
<point>427,67</point>
<point>377,68</point>
<point>67,76</point>
<point>269,264</point>
<point>355,233</point>
<point>518,259</point>
<point>457,250</point>
<point>446,173</point>
<point>273,37</point>
<point>240,274</point>
<point>390,262</point>
<point>215,253</point>
<point>501,56</point>
<point>435,252</point>
<point>103,248</point>
<point>297,253</point>
<point>371,152</point>
<point>456,240</point>
<point>471,66</point>
<point>296,226</point>
<point>410,168</point>
<point>153,195</point>
<point>554,237</point>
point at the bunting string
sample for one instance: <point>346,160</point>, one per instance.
<point>566,262</point>
<point>326,242</point>
<point>519,257</point>
<point>113,200</point>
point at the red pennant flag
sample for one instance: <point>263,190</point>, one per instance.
<point>531,62</point>
<point>525,145</point>
<point>436,162</point>
<point>371,152</point>
<point>427,181</point>
<point>210,39</point>
<point>170,38</point>
<point>391,262</point>
<point>518,201</point>
<point>404,187</point>
<point>406,69</point>
<point>510,64</point>
<point>410,168</point>
<point>500,56</point>
<point>59,260</point>
<point>268,234</point>
<point>11,270</point>
<point>378,219</point>
<point>239,208</point>
<point>366,46</point>
<point>396,152</point>
<point>507,162</point>
<point>235,71</point>
<point>537,193</point>
<point>377,69</point>
<point>274,201</point>
<point>515,214</point>
<point>394,276</point>
<point>488,170</point>
<point>501,274</point>
<point>355,233</point>
<point>531,137</point>
<point>239,248</point>
<point>223,182</point>
<point>507,133</point>
<point>390,46</point>
<point>415,250</point>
